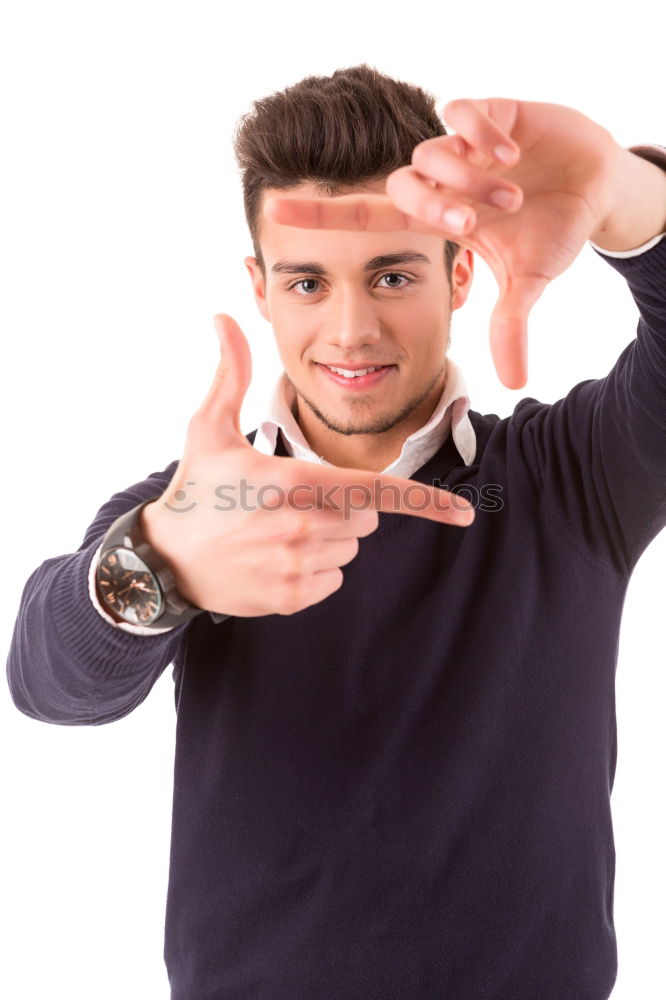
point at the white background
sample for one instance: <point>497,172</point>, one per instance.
<point>122,234</point>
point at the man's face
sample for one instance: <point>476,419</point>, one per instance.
<point>342,313</point>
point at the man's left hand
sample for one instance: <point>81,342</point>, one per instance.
<point>566,178</point>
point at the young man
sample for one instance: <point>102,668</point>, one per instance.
<point>392,782</point>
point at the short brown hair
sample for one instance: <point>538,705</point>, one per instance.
<point>353,127</point>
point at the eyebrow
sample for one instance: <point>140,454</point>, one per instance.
<point>382,260</point>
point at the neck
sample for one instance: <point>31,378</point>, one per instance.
<point>372,452</point>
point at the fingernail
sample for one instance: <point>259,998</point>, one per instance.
<point>455,219</point>
<point>505,153</point>
<point>503,198</point>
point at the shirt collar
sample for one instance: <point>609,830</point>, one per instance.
<point>449,416</point>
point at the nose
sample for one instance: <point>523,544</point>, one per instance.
<point>353,320</point>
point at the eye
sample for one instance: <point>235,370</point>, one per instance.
<point>301,282</point>
<point>396,274</point>
<point>387,274</point>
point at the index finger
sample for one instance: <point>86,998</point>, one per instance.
<point>355,212</point>
<point>358,489</point>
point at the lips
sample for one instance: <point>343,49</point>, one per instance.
<point>356,366</point>
<point>357,382</point>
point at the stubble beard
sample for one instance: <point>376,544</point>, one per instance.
<point>360,424</point>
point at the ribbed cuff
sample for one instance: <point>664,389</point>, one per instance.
<point>650,263</point>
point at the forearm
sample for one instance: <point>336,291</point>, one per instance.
<point>69,667</point>
<point>640,212</point>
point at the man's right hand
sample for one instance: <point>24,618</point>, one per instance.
<point>275,551</point>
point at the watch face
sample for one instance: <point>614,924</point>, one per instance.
<point>129,587</point>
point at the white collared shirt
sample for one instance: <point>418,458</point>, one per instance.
<point>450,415</point>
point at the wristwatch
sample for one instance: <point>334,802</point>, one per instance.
<point>136,583</point>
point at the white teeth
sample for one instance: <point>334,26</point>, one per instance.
<point>347,374</point>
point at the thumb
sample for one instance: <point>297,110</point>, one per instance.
<point>508,328</point>
<point>216,424</point>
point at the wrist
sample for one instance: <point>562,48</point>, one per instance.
<point>153,530</point>
<point>137,580</point>
<point>640,208</point>
<point>148,525</point>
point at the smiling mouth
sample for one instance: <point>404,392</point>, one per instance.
<point>354,382</point>
<point>352,373</point>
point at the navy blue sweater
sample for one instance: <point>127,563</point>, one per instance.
<point>403,791</point>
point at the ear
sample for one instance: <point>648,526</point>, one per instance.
<point>461,277</point>
<point>258,286</point>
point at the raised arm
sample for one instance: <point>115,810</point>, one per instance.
<point>600,452</point>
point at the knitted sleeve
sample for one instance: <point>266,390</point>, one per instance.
<point>600,452</point>
<point>66,664</point>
